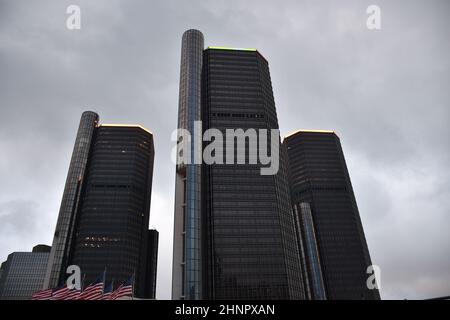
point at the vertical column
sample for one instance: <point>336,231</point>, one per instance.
<point>187,220</point>
<point>67,212</point>
<point>314,270</point>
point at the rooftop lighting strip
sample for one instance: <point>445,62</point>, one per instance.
<point>126,125</point>
<point>310,131</point>
<point>232,49</point>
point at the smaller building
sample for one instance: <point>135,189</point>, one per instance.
<point>23,273</point>
<point>152,263</point>
<point>329,226</point>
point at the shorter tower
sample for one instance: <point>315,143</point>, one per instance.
<point>111,230</point>
<point>327,216</point>
<point>22,274</point>
<point>106,208</point>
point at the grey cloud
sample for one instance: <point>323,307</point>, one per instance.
<point>18,217</point>
<point>384,92</point>
<point>20,228</point>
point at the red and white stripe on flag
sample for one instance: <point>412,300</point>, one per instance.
<point>60,294</point>
<point>106,296</point>
<point>92,292</point>
<point>42,295</point>
<point>73,294</point>
<point>122,291</point>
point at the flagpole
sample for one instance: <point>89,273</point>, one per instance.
<point>104,280</point>
<point>134,277</point>
<point>112,289</point>
<point>82,282</point>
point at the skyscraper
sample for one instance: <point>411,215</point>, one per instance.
<point>187,249</point>
<point>250,248</point>
<point>234,234</point>
<point>331,234</point>
<point>62,238</point>
<point>108,229</point>
<point>22,274</point>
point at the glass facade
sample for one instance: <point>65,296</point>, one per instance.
<point>186,282</point>
<point>111,230</point>
<point>103,220</point>
<point>312,270</point>
<point>250,243</point>
<point>23,273</point>
<point>234,234</point>
<point>319,177</point>
<point>69,205</point>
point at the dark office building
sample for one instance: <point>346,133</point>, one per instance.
<point>152,262</point>
<point>326,213</point>
<point>22,274</point>
<point>108,229</point>
<point>62,238</point>
<point>246,244</point>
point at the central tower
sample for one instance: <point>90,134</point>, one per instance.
<point>186,282</point>
<point>234,235</point>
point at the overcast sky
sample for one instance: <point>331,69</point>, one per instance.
<point>386,94</point>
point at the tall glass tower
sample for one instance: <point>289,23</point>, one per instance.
<point>234,234</point>
<point>251,252</point>
<point>187,251</point>
<point>62,239</point>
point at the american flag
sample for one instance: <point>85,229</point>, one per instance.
<point>92,292</point>
<point>124,290</point>
<point>73,294</point>
<point>42,295</point>
<point>107,292</point>
<point>60,293</point>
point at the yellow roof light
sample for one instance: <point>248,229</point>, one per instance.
<point>236,49</point>
<point>230,48</point>
<point>125,125</point>
<point>308,130</point>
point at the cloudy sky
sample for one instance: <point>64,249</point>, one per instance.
<point>386,93</point>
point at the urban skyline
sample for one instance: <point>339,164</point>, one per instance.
<point>379,156</point>
<point>243,240</point>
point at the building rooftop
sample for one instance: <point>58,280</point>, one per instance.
<point>308,131</point>
<point>125,125</point>
<point>232,49</point>
<point>235,49</point>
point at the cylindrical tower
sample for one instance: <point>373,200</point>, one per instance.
<point>66,218</point>
<point>186,282</point>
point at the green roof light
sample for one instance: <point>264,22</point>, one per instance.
<point>234,49</point>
